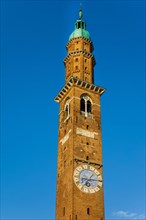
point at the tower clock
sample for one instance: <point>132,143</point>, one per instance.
<point>80,192</point>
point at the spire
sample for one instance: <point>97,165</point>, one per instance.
<point>80,27</point>
<point>80,12</point>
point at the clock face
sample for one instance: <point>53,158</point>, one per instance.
<point>87,179</point>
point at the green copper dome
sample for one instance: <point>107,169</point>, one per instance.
<point>80,28</point>
<point>79,33</point>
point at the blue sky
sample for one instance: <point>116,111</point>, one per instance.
<point>33,39</point>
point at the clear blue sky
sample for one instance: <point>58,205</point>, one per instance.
<point>33,39</point>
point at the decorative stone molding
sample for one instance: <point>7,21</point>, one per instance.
<point>74,81</point>
<point>86,133</point>
<point>87,54</point>
<point>78,38</point>
<point>65,138</point>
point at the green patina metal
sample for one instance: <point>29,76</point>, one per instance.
<point>80,28</point>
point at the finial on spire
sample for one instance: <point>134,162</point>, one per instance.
<point>80,12</point>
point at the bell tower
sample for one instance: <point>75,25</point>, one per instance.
<point>80,192</point>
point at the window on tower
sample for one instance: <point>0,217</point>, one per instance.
<point>67,109</point>
<point>79,25</point>
<point>87,158</point>
<point>85,106</point>
<point>63,211</point>
<point>82,105</point>
<point>88,106</point>
<point>83,26</point>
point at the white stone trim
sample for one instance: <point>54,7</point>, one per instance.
<point>67,118</point>
<point>86,133</point>
<point>65,138</point>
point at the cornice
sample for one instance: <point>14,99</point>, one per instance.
<point>78,38</point>
<point>87,54</point>
<point>73,81</point>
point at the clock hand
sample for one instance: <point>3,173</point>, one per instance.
<point>90,176</point>
<point>84,179</point>
<point>96,180</point>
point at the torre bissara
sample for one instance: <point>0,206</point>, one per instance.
<point>80,192</point>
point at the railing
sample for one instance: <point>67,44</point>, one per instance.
<point>87,114</point>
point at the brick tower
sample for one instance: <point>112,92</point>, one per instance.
<point>80,194</point>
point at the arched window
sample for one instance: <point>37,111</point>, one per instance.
<point>86,106</point>
<point>67,109</point>
<point>82,105</point>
